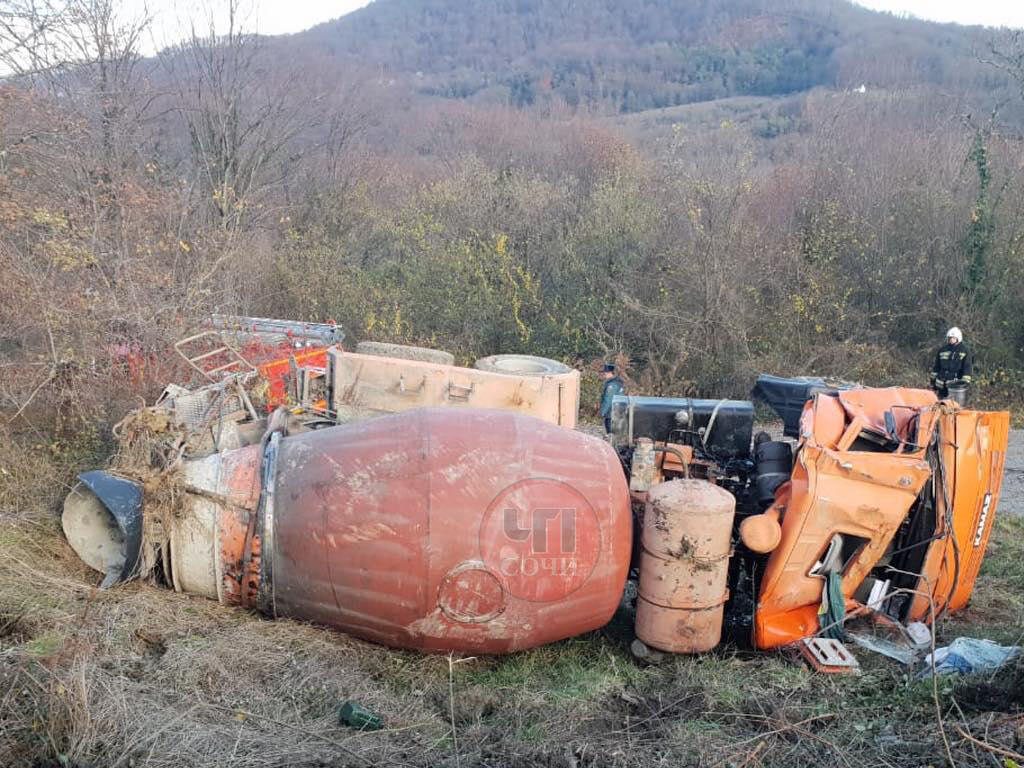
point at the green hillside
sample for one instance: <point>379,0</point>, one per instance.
<point>622,56</point>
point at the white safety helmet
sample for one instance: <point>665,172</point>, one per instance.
<point>955,333</point>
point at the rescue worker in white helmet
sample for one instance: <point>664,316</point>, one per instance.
<point>953,364</point>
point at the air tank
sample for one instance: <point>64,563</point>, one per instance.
<point>684,566</point>
<point>439,530</point>
<point>774,463</point>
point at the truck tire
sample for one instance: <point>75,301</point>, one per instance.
<point>522,365</point>
<point>402,352</point>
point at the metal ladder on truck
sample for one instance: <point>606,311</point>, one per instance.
<point>318,334</point>
<point>212,354</point>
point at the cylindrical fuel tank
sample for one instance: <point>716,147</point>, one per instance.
<point>687,538</point>
<point>447,529</point>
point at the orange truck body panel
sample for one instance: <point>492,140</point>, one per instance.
<point>974,445</point>
<point>839,487</point>
<point>277,373</point>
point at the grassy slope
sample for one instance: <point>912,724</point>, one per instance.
<point>142,676</point>
<point>750,113</point>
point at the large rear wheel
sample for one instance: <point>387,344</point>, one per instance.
<point>403,352</point>
<point>522,365</point>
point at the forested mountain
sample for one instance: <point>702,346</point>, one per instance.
<point>612,56</point>
<point>700,189</point>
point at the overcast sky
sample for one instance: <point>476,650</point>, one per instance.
<point>281,16</point>
<point>274,17</point>
<point>172,18</point>
<point>991,13</point>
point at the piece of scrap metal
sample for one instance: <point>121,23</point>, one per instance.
<point>828,656</point>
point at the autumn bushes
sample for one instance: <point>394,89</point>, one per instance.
<point>844,250</point>
<point>843,255</point>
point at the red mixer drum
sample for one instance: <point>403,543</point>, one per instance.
<point>447,529</point>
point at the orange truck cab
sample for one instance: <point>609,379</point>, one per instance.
<point>883,500</point>
<point>903,488</point>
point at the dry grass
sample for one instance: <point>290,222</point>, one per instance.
<point>140,676</point>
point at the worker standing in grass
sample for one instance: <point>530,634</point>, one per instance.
<point>613,385</point>
<point>953,365</point>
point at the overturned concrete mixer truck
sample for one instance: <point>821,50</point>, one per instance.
<point>488,530</point>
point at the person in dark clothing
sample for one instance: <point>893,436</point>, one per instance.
<point>613,385</point>
<point>953,364</point>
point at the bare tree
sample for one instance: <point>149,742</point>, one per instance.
<point>25,27</point>
<point>1006,53</point>
<point>242,113</point>
<point>87,53</point>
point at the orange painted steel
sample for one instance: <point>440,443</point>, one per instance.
<point>974,447</point>
<point>674,458</point>
<point>449,529</point>
<point>837,488</point>
<point>442,529</point>
<point>873,404</point>
<point>684,566</point>
<point>277,372</point>
<point>238,533</point>
<point>763,533</point>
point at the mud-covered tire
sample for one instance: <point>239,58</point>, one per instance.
<point>403,352</point>
<point>522,365</point>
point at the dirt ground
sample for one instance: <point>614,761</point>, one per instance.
<point>141,677</point>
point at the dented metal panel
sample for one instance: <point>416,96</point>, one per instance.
<point>835,489</point>
<point>867,458</point>
<point>392,385</point>
<point>973,448</point>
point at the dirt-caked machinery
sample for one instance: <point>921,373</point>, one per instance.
<point>418,504</point>
<point>882,506</point>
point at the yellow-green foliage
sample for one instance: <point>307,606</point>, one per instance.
<point>446,276</point>
<point>676,272</point>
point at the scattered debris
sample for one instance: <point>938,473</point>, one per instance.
<point>828,656</point>
<point>905,644</point>
<point>905,653</point>
<point>919,633</point>
<point>967,655</point>
<point>355,715</point>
